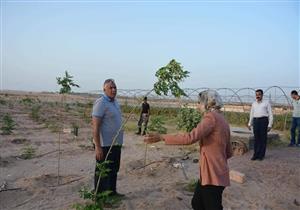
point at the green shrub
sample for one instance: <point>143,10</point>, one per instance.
<point>191,186</point>
<point>96,201</point>
<point>8,124</point>
<point>53,126</point>
<point>188,119</point>
<point>157,125</point>
<point>2,101</point>
<point>28,152</point>
<point>27,101</point>
<point>35,112</point>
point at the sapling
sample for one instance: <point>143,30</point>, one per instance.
<point>8,124</point>
<point>66,83</point>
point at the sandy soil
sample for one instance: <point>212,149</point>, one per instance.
<point>33,184</point>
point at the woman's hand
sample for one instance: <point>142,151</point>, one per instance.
<point>152,138</point>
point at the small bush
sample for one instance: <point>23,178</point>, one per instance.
<point>191,186</point>
<point>35,112</point>
<point>53,127</point>
<point>157,125</point>
<point>188,119</point>
<point>28,152</point>
<point>8,124</point>
<point>96,201</point>
<point>2,101</point>
<point>27,101</point>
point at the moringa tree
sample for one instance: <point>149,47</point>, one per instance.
<point>66,83</point>
<point>168,78</point>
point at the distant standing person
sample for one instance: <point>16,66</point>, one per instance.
<point>295,119</point>
<point>261,118</point>
<point>107,121</point>
<point>144,117</point>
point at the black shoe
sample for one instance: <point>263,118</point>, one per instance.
<point>138,133</point>
<point>291,145</point>
<point>253,158</point>
<point>116,194</point>
<point>260,159</point>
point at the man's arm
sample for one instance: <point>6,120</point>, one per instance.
<point>250,117</point>
<point>96,136</point>
<point>270,116</point>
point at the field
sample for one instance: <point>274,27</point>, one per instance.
<point>29,161</point>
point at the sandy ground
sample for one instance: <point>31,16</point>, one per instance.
<point>33,184</point>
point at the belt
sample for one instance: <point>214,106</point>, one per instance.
<point>257,118</point>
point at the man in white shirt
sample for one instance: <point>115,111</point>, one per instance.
<point>261,118</point>
<point>295,119</point>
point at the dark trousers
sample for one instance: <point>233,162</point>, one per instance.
<point>109,182</point>
<point>144,118</point>
<point>207,197</point>
<point>260,130</point>
<point>295,125</point>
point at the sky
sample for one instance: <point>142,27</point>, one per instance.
<point>231,44</point>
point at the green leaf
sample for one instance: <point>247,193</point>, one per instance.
<point>168,78</point>
<point>66,83</point>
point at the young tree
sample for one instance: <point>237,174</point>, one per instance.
<point>66,84</point>
<point>168,78</point>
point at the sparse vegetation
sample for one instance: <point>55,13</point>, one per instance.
<point>188,118</point>
<point>35,112</point>
<point>157,125</point>
<point>2,101</point>
<point>28,152</point>
<point>97,201</point>
<point>8,124</point>
<point>27,101</point>
<point>191,186</point>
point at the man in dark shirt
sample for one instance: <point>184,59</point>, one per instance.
<point>144,117</point>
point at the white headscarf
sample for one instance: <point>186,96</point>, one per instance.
<point>211,99</point>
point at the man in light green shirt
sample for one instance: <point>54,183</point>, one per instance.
<point>295,119</point>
